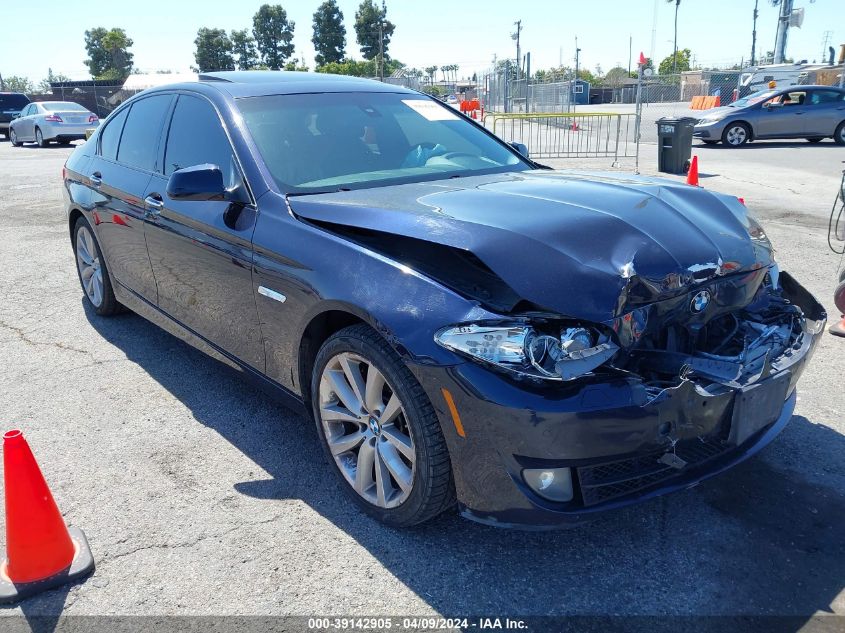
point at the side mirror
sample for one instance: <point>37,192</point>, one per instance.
<point>522,148</point>
<point>198,183</point>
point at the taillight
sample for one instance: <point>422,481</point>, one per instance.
<point>93,118</point>
<point>53,118</point>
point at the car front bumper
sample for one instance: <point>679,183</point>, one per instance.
<point>611,437</point>
<point>710,131</point>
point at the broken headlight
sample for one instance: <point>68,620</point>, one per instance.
<point>551,353</point>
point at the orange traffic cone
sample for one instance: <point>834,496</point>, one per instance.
<point>574,127</point>
<point>838,329</point>
<point>692,174</point>
<point>41,552</point>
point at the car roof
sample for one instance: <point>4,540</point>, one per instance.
<point>800,87</point>
<point>254,83</point>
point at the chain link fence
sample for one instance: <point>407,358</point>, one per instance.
<point>591,109</point>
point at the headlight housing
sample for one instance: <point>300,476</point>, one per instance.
<point>549,351</point>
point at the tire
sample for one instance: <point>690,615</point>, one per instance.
<point>96,285</point>
<point>815,139</point>
<point>39,138</point>
<point>13,139</point>
<point>736,134</point>
<point>839,135</point>
<point>424,459</point>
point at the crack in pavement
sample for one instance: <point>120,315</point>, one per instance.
<point>187,544</point>
<point>22,335</point>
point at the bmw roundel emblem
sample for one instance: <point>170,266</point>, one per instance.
<point>700,301</point>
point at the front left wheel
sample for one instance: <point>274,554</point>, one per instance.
<point>91,267</point>
<point>379,429</point>
<point>13,139</point>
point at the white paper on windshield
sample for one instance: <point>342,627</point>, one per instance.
<point>430,110</point>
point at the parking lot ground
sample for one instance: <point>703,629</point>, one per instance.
<point>200,495</point>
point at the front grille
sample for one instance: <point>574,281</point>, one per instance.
<point>603,482</point>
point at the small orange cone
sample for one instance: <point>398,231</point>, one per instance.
<point>692,174</point>
<point>838,329</point>
<point>574,127</point>
<point>41,552</point>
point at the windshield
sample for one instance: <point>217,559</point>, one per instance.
<point>13,101</point>
<point>331,141</point>
<point>753,98</point>
<point>68,106</point>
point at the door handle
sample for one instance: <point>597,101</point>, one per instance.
<point>154,205</point>
<point>96,179</point>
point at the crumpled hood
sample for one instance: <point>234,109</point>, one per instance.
<point>585,245</point>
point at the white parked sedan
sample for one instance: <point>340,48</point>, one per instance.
<point>60,121</point>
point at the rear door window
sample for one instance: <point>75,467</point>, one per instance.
<point>196,136</point>
<point>110,136</point>
<point>141,132</point>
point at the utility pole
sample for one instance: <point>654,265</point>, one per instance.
<point>381,50</point>
<point>630,44</point>
<point>675,47</point>
<point>783,28</point>
<point>575,83</point>
<point>754,36</point>
<point>515,36</point>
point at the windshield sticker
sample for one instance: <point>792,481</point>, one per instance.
<point>430,110</point>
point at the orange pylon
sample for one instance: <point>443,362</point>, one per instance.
<point>692,174</point>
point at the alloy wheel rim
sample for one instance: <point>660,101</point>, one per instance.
<point>88,262</point>
<point>736,135</point>
<point>366,430</point>
<point>13,137</point>
<point>38,137</point>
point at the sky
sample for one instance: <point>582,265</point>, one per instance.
<point>428,32</point>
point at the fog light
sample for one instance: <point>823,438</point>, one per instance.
<point>554,484</point>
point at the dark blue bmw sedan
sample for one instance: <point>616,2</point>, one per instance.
<point>465,326</point>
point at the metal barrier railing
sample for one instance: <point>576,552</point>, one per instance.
<point>568,134</point>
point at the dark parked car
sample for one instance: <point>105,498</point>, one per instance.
<point>11,104</point>
<point>462,323</point>
<point>810,112</point>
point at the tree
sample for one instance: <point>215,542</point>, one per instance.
<point>44,86</point>
<point>616,77</point>
<point>243,49</point>
<point>108,53</point>
<point>297,65</point>
<point>329,37</point>
<point>431,71</point>
<point>19,84</point>
<point>349,67</point>
<point>273,34</point>
<point>677,63</point>
<point>214,50</point>
<point>367,20</point>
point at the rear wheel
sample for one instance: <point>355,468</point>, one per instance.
<point>39,138</point>
<point>839,135</point>
<point>92,270</point>
<point>839,297</point>
<point>13,139</point>
<point>379,429</point>
<point>736,134</point>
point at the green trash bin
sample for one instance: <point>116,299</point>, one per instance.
<point>674,144</point>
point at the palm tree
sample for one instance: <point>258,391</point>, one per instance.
<point>675,49</point>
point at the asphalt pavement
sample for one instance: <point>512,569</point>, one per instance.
<point>200,495</point>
